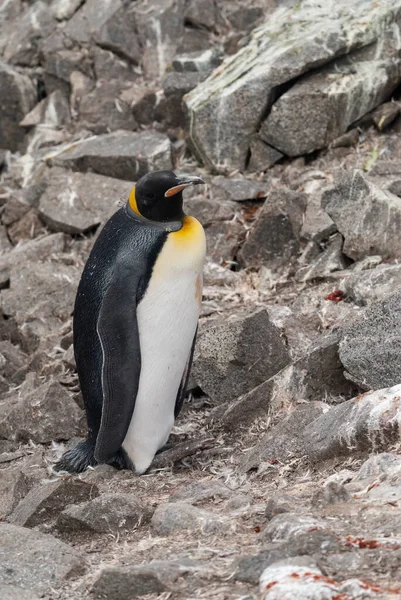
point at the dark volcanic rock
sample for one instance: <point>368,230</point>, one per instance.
<point>122,155</point>
<point>17,98</point>
<point>103,110</point>
<point>371,345</point>
<point>44,503</point>
<point>105,514</point>
<point>275,237</point>
<point>369,218</point>
<point>235,355</point>
<point>77,202</point>
<point>125,583</point>
<point>119,34</point>
<point>42,413</point>
<point>36,571</point>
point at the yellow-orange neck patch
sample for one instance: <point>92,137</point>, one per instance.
<point>132,202</point>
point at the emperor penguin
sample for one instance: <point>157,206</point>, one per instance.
<point>135,320</point>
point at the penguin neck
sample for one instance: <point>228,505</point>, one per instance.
<point>133,211</point>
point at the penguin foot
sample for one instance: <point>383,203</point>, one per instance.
<point>121,460</point>
<point>78,459</point>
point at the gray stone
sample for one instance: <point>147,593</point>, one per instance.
<point>208,211</point>
<point>378,465</point>
<point>53,110</point>
<point>371,345</point>
<point>287,525</point>
<point>90,18</point>
<point>78,202</point>
<point>161,29</point>
<point>11,359</point>
<point>14,486</point>
<point>108,66</point>
<point>285,440</point>
<point>371,285</point>
<point>203,60</point>
<point>24,41</point>
<point>346,140</point>
<point>395,187</point>
<point>144,102</point>
<point>202,13</point>
<point>119,34</point>
<point>44,503</point>
<point>123,155</point>
<point>280,50</point>
<point>17,97</point>
<point>238,190</point>
<point>36,572</point>
<point>26,228</point>
<point>320,107</point>
<point>214,274</point>
<point>175,86</point>
<point>199,492</point>
<point>275,236</point>
<point>369,218</point>
<point>317,225</point>
<point>223,239</point>
<point>42,413</point>
<point>331,259</point>
<point>385,115</point>
<point>263,156</point>
<point>235,355</point>
<point>60,65</point>
<point>367,422</point>
<point>106,514</point>
<point>12,592</point>
<point>64,9</point>
<point>127,582</point>
<point>180,516</point>
<point>318,374</point>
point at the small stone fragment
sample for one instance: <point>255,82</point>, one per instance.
<point>331,259</point>
<point>238,190</point>
<point>17,98</point>
<point>202,13</point>
<point>346,140</point>
<point>365,287</point>
<point>12,592</point>
<point>53,110</point>
<point>14,486</point>
<point>263,156</point>
<point>64,9</point>
<point>180,516</point>
<point>203,60</point>
<point>198,492</point>
<point>126,583</point>
<point>385,115</point>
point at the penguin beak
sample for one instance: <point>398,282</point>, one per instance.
<point>182,184</point>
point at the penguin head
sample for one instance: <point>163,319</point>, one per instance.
<point>158,196</point>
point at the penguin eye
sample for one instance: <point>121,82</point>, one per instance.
<point>150,196</point>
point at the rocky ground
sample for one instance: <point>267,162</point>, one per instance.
<point>284,480</point>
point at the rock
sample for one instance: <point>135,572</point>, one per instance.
<point>126,583</point>
<point>66,204</point>
<point>44,503</point>
<point>60,65</point>
<point>27,228</point>
<point>107,66</point>
<point>35,250</point>
<point>17,97</point>
<point>5,244</point>
<point>180,516</point>
<point>11,359</point>
<point>378,465</point>
<point>102,109</point>
<point>371,285</point>
<point>122,155</point>
<point>175,86</point>
<point>14,486</point>
<point>106,514</point>
<point>119,34</point>
<point>285,440</point>
<point>203,60</point>
<point>279,51</point>
<point>317,225</point>
<point>42,413</point>
<point>385,115</point>
<point>53,110</point>
<point>371,345</point>
<point>369,218</point>
<point>223,239</point>
<point>208,211</point>
<point>395,187</point>
<point>64,9</point>
<point>214,274</point>
<point>11,592</point>
<point>263,156</point>
<point>275,236</point>
<point>331,259</point>
<point>346,140</point>
<point>14,210</point>
<point>202,13</point>
<point>36,572</point>
<point>237,189</point>
<point>235,355</point>
<point>318,374</point>
<point>198,492</point>
<point>160,26</point>
<point>24,41</point>
<point>367,422</point>
<point>91,18</point>
<point>321,106</point>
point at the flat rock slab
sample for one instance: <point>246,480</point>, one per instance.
<point>35,561</point>
<point>235,355</point>
<point>369,218</point>
<point>366,287</point>
<point>122,155</point>
<point>77,202</point>
<point>44,503</point>
<point>298,39</point>
<point>125,583</point>
<point>180,516</point>
<point>239,190</point>
<point>370,347</point>
<point>368,422</point>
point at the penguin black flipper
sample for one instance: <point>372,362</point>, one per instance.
<point>184,381</point>
<point>117,328</point>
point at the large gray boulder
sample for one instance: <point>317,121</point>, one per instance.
<point>295,41</point>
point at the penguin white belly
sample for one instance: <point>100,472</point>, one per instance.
<point>167,318</point>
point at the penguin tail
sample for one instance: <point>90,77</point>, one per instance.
<point>78,459</point>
